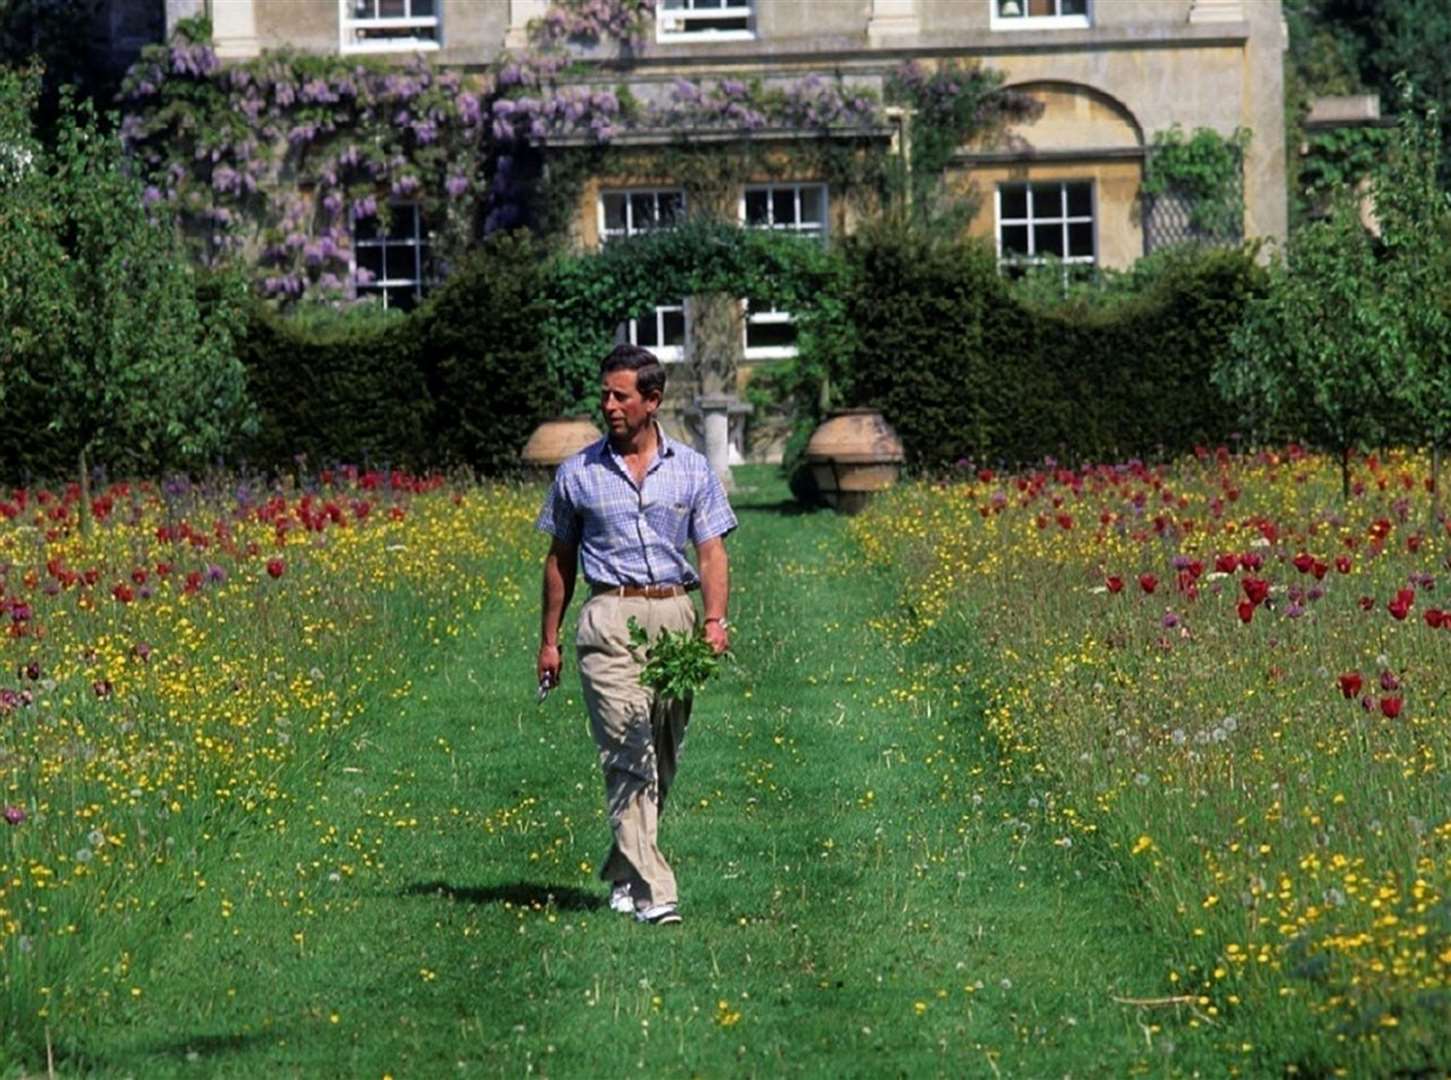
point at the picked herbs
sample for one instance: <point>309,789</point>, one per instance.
<point>677,664</point>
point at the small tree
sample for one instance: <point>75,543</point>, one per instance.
<point>103,334</point>
<point>1415,270</point>
<point>1321,353</point>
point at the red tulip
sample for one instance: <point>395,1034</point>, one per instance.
<point>1390,707</point>
<point>1350,683</point>
<point>1303,562</point>
<point>1366,603</point>
<point>1226,564</point>
<point>1398,608</point>
<point>1115,583</point>
<point>1434,617</point>
<point>1246,611</point>
<point>1342,563</point>
<point>123,593</point>
<point>1256,589</point>
<point>275,567</point>
<point>1148,582</point>
<point>1251,560</point>
<point>1319,570</point>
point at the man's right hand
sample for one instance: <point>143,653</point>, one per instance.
<point>549,664</point>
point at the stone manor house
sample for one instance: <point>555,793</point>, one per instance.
<point>1108,74</point>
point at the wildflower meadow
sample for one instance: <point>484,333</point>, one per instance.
<point>176,666</point>
<point>1235,683</point>
<point>1124,770</point>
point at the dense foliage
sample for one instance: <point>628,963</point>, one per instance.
<point>964,372</point>
<point>106,340</point>
<point>1351,47</point>
<point>1351,338</point>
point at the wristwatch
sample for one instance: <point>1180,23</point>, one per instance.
<point>724,625</point>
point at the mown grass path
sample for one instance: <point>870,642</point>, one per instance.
<point>863,896</point>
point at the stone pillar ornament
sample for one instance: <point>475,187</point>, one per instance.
<point>234,29</point>
<point>893,19</point>
<point>1217,11</point>
<point>521,14</point>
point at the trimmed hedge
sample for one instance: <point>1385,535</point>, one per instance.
<point>965,372</point>
<point>922,328</point>
<point>350,392</point>
<point>460,381</point>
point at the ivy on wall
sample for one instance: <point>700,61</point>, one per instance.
<point>1204,168</point>
<point>272,160</point>
<point>1337,159</point>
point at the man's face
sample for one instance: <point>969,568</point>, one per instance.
<point>626,413</point>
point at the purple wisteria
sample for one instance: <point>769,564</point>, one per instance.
<point>276,158</point>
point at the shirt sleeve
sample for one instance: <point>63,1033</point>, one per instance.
<point>712,515</point>
<point>558,517</point>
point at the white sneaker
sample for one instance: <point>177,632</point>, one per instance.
<point>621,900</point>
<point>659,915</point>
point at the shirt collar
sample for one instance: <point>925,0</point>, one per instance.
<point>664,448</point>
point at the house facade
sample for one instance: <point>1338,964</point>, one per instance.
<point>1107,76</point>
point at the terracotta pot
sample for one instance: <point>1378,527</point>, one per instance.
<point>557,440</point>
<point>854,454</point>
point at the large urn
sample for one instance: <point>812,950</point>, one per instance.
<point>557,440</point>
<point>854,454</point>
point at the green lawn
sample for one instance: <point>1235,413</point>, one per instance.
<point>863,894</point>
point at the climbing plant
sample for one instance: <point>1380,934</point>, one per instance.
<point>274,160</point>
<point>1206,169</point>
<point>591,293</point>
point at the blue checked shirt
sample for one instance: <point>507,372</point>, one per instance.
<point>636,536</point>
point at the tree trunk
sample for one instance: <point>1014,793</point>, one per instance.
<point>717,343</point>
<point>1435,485</point>
<point>85,507</point>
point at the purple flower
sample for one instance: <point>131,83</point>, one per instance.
<point>14,815</point>
<point>1169,621</point>
<point>151,196</point>
<point>468,109</point>
<point>456,185</point>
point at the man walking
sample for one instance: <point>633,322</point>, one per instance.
<point>624,508</point>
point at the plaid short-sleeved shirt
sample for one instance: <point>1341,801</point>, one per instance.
<point>636,536</point>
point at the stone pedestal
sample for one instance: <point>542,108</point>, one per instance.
<point>715,414</point>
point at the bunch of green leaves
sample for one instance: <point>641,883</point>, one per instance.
<point>677,664</point>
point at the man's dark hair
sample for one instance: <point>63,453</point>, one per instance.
<point>649,372</point>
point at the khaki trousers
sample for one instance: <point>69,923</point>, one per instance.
<point>639,736</point>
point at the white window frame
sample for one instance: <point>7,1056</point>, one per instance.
<point>1038,22</point>
<point>380,286</point>
<point>812,230</point>
<point>1064,220</point>
<point>675,23</point>
<point>666,354</point>
<point>349,23</point>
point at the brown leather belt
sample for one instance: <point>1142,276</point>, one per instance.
<point>649,592</point>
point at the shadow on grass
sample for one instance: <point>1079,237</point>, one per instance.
<point>195,1050</point>
<point>781,507</point>
<point>518,893</point>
